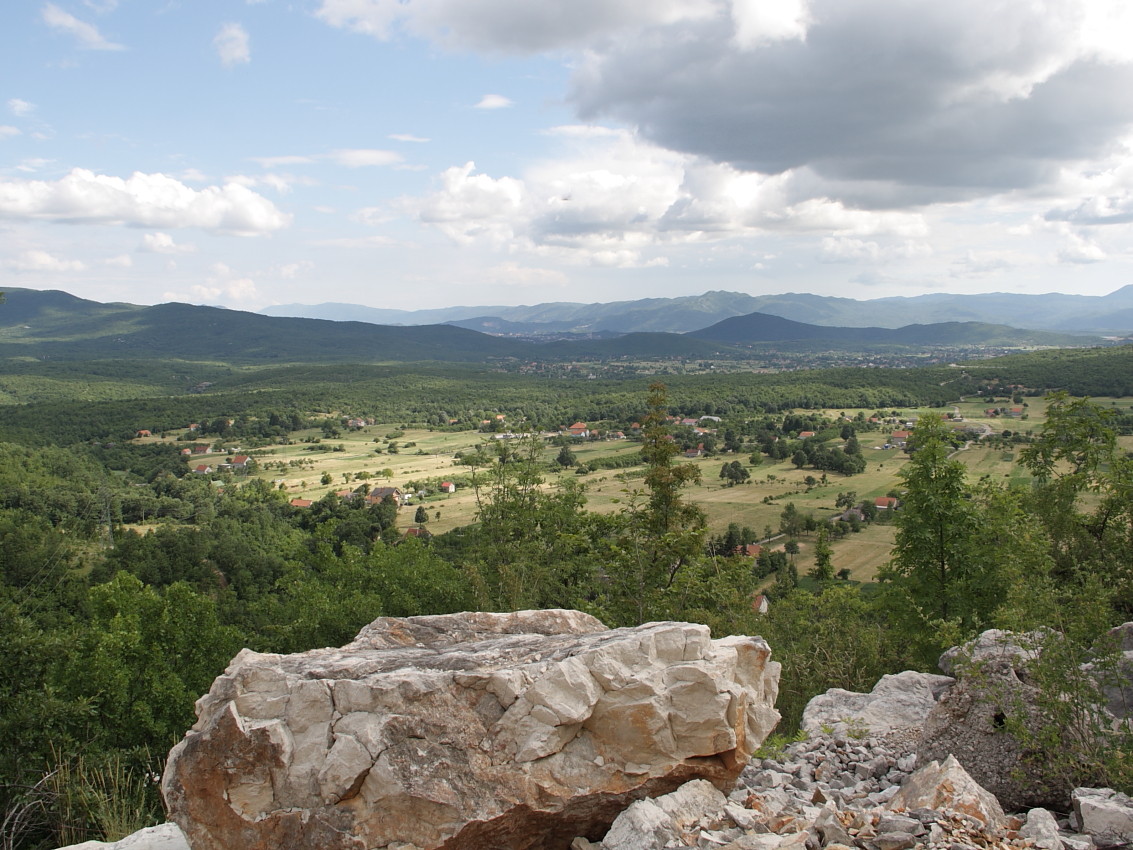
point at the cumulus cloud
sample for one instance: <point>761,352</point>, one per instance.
<point>232,45</point>
<point>616,202</point>
<point>42,261</point>
<point>7,131</point>
<point>86,34</point>
<point>162,243</point>
<point>143,200</point>
<point>493,101</point>
<point>892,103</point>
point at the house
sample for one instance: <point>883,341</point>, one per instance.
<point>579,429</point>
<point>239,462</point>
<point>418,532</point>
<point>711,418</point>
<point>689,422</point>
<point>697,452</point>
<point>448,487</point>
<point>194,426</point>
<point>750,550</point>
<point>201,450</point>
<point>885,503</point>
<point>186,452</point>
<point>899,438</point>
<point>759,604</point>
<point>346,495</point>
<point>301,503</point>
<point>618,435</point>
<point>143,433</point>
<point>202,469</point>
<point>805,435</point>
<point>378,494</point>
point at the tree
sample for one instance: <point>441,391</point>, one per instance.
<point>823,570</point>
<point>326,478</point>
<point>421,516</point>
<point>566,457</point>
<point>660,532</point>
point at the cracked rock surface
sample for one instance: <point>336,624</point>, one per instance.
<point>474,730</point>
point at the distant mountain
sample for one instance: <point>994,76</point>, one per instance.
<point>758,328</point>
<point>59,327</point>
<point>1111,313</point>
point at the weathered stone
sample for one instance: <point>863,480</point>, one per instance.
<point>1042,829</point>
<point>898,701</point>
<point>653,823</point>
<point>473,730</point>
<point>970,722</point>
<point>167,836</point>
<point>1104,814</point>
<point>948,786</point>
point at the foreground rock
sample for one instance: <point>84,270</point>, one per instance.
<point>898,701</point>
<point>167,836</point>
<point>465,731</point>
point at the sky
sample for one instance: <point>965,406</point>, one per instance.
<point>428,153</point>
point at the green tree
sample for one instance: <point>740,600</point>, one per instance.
<point>566,457</point>
<point>823,570</point>
<point>421,516</point>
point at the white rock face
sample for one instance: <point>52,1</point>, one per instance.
<point>898,701</point>
<point>468,730</point>
<point>1104,814</point>
<point>167,836</point>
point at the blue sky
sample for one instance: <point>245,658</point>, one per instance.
<point>424,153</point>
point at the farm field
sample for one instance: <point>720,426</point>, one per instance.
<point>312,465</point>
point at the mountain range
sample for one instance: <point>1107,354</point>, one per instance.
<point>1092,314</point>
<point>52,325</point>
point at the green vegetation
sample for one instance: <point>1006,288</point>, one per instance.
<point>128,580</point>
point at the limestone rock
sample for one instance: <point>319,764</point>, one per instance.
<point>654,823</point>
<point>948,786</point>
<point>167,836</point>
<point>970,723</point>
<point>515,730</point>
<point>1104,814</point>
<point>899,701</point>
<point>1042,829</point>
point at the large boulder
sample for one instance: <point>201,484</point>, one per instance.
<point>898,701</point>
<point>481,730</point>
<point>973,720</point>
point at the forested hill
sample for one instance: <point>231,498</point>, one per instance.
<point>58,327</point>
<point>763,327</point>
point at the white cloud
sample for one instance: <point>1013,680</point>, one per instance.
<point>493,101</point>
<point>614,201</point>
<point>86,34</point>
<point>6,132</point>
<point>758,22</point>
<point>20,107</point>
<point>41,261</point>
<point>144,200</point>
<point>122,261</point>
<point>363,158</point>
<point>406,137</point>
<point>162,243</point>
<point>347,157</point>
<point>232,46</point>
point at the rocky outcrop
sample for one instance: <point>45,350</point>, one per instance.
<point>898,701</point>
<point>515,730</point>
<point>972,722</point>
<point>1103,814</point>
